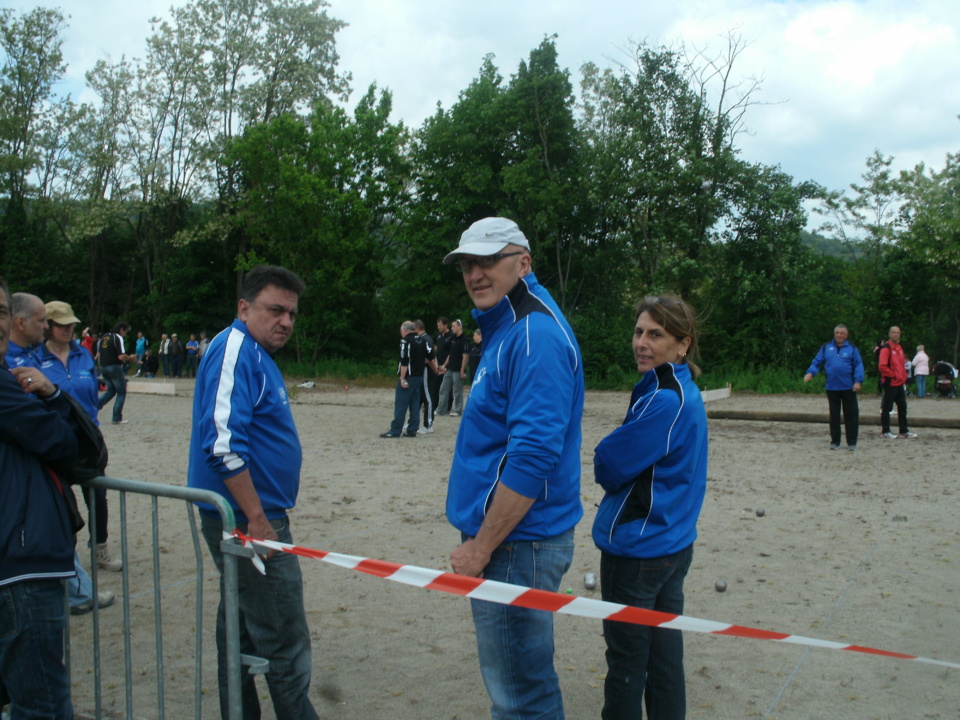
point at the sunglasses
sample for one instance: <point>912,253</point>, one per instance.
<point>484,262</point>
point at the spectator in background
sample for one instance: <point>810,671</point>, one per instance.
<point>893,374</point>
<point>175,353</point>
<point>203,346</point>
<point>193,349</point>
<point>454,372</point>
<point>428,399</point>
<point>89,342</point>
<point>843,366</point>
<point>165,354</point>
<point>921,369</point>
<point>141,350</point>
<point>476,350</point>
<point>151,365</point>
<point>441,344</point>
<point>113,354</point>
<point>409,383</point>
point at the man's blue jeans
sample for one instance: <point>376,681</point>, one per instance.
<point>116,383</point>
<point>640,657</point>
<point>407,399</point>
<point>32,624</point>
<point>515,644</point>
<point>273,625</point>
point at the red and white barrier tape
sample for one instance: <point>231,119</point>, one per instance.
<point>507,594</point>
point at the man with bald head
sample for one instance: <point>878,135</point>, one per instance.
<point>892,365</point>
<point>29,323</point>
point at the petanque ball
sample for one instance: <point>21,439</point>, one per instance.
<point>590,581</point>
<point>760,512</point>
<point>721,586</point>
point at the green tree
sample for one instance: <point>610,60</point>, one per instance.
<point>931,215</point>
<point>319,196</point>
<point>763,298</point>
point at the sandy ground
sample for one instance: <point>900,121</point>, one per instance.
<point>857,548</point>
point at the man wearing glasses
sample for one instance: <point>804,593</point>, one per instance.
<point>514,489</point>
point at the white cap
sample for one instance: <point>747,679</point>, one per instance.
<point>487,237</point>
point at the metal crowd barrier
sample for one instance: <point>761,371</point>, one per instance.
<point>232,549</point>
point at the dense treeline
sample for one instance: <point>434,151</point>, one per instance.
<point>228,145</point>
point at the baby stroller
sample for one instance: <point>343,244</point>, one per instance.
<point>944,374</point>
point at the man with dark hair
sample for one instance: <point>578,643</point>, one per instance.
<point>514,488</point>
<point>441,346</point>
<point>843,366</point>
<point>36,536</point>
<point>113,355</point>
<point>429,370</point>
<point>245,446</point>
<point>454,373</point>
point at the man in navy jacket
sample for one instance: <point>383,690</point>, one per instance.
<point>36,536</point>
<point>841,362</point>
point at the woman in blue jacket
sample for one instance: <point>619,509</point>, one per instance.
<point>68,365</point>
<point>654,471</point>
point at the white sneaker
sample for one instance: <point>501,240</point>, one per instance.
<point>105,561</point>
<point>425,430</point>
<point>907,435</point>
<point>888,436</point>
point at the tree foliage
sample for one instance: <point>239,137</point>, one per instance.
<point>230,143</point>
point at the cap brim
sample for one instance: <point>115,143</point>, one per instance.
<point>480,249</point>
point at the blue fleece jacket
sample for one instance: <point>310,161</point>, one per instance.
<point>841,363</point>
<point>79,377</point>
<point>653,468</point>
<point>521,426</point>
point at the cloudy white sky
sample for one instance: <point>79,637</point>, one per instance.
<point>840,78</point>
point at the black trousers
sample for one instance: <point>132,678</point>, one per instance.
<point>894,395</point>
<point>845,400</point>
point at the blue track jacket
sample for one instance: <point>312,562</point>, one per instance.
<point>653,468</point>
<point>841,363</point>
<point>242,420</point>
<point>79,377</point>
<point>521,426</point>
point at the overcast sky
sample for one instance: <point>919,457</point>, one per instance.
<point>840,78</point>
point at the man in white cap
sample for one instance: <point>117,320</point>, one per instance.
<point>514,489</point>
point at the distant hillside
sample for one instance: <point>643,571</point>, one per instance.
<point>828,246</point>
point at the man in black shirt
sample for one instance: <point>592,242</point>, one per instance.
<point>442,344</point>
<point>112,356</point>
<point>455,371</point>
<point>409,385</point>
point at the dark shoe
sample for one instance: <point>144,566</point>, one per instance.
<point>388,435</point>
<point>409,434</point>
<point>104,599</point>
